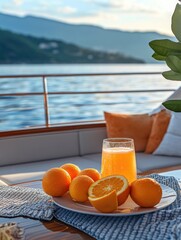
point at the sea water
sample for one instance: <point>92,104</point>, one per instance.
<point>26,111</point>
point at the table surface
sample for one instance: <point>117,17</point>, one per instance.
<point>54,229</point>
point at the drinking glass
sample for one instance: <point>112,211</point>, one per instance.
<point>118,158</point>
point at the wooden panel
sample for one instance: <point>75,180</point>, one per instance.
<point>53,128</point>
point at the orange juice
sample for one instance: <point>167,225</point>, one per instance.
<point>119,161</point>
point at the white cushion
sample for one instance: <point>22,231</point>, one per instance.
<point>18,173</point>
<point>149,161</point>
<point>171,143</point>
<point>34,171</point>
<point>175,123</point>
<point>170,146</point>
<point>174,96</point>
<point>3,183</point>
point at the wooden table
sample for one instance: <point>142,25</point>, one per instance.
<point>45,230</point>
<point>54,229</point>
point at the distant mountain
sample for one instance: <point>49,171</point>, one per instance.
<point>133,44</point>
<point>17,48</point>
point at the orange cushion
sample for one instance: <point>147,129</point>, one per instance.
<point>159,128</point>
<point>136,126</point>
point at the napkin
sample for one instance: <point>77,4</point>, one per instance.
<point>162,224</point>
<point>27,202</point>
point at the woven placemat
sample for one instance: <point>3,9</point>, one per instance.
<point>23,201</point>
<point>163,224</point>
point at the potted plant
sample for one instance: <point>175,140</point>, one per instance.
<point>170,52</point>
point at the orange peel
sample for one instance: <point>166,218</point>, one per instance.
<point>106,204</point>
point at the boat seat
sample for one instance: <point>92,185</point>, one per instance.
<point>3,183</point>
<point>27,157</point>
<point>147,162</point>
<point>18,173</point>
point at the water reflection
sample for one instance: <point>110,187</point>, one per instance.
<point>25,111</point>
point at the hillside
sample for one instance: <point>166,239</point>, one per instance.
<point>17,48</point>
<point>134,44</point>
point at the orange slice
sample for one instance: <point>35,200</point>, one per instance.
<point>108,184</point>
<point>106,204</point>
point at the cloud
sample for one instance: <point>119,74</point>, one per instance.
<point>18,2</point>
<point>103,4</point>
<point>127,22</point>
<point>144,6</point>
<point>107,5</point>
<point>67,10</point>
<point>124,6</point>
<point>99,19</point>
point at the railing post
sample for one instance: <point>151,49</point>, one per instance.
<point>45,94</point>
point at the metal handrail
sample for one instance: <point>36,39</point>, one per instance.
<point>85,92</point>
<point>78,74</point>
<point>45,92</point>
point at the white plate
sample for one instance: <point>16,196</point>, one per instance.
<point>129,208</point>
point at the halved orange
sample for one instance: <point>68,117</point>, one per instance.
<point>108,184</point>
<point>106,204</point>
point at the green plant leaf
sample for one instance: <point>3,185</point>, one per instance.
<point>176,22</point>
<point>158,57</point>
<point>165,47</point>
<point>171,75</point>
<point>174,63</point>
<point>173,105</point>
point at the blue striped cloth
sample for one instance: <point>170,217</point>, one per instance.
<point>161,225</point>
<point>18,201</point>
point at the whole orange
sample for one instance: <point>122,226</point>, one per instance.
<point>79,188</point>
<point>91,172</point>
<point>72,169</point>
<point>146,192</point>
<point>56,182</point>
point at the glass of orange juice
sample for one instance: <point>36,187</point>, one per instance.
<point>118,158</point>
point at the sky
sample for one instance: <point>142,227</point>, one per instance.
<point>132,15</point>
